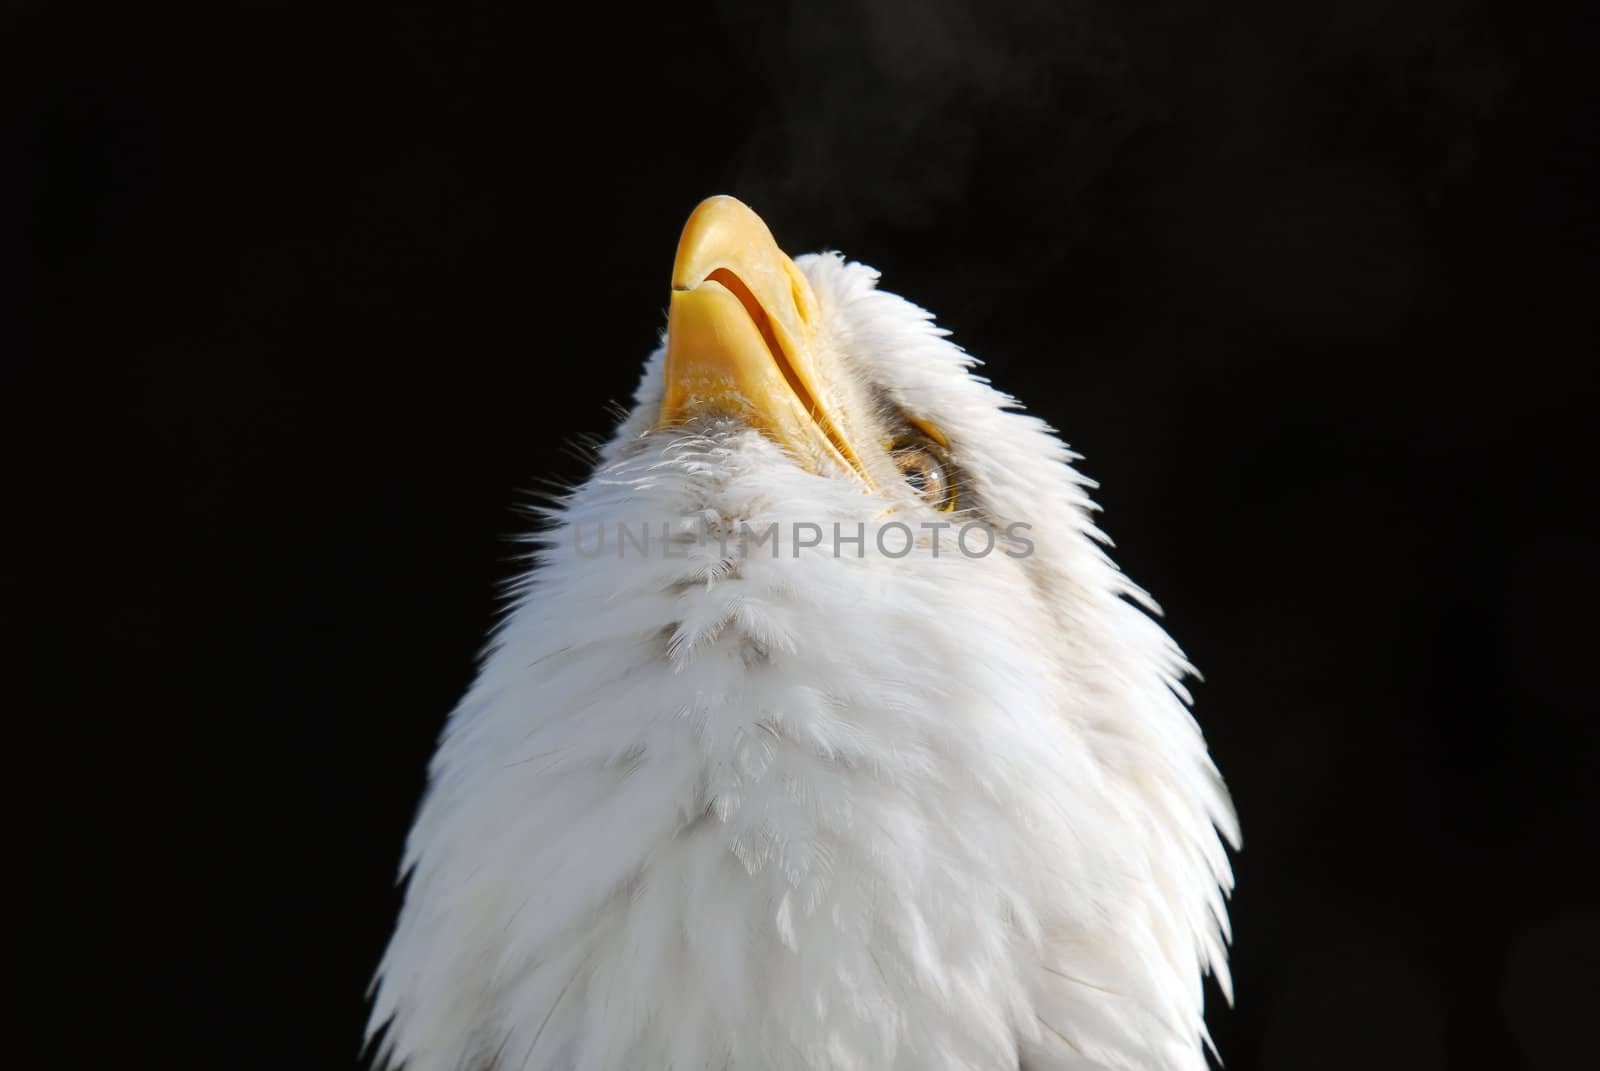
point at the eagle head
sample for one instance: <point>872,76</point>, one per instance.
<point>821,733</point>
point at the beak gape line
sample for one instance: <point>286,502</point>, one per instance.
<point>741,327</point>
<point>894,539</point>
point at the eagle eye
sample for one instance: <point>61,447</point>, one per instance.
<point>927,470</point>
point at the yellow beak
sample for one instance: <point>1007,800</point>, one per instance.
<point>740,338</point>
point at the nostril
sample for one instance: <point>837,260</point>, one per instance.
<point>799,301</point>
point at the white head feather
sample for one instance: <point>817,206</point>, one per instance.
<point>707,809</point>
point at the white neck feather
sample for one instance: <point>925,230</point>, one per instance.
<point>708,810</point>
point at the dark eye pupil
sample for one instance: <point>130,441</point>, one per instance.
<point>923,474</point>
<point>925,467</point>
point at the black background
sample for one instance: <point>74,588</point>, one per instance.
<point>310,299</point>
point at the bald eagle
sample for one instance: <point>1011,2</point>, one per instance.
<point>822,733</point>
